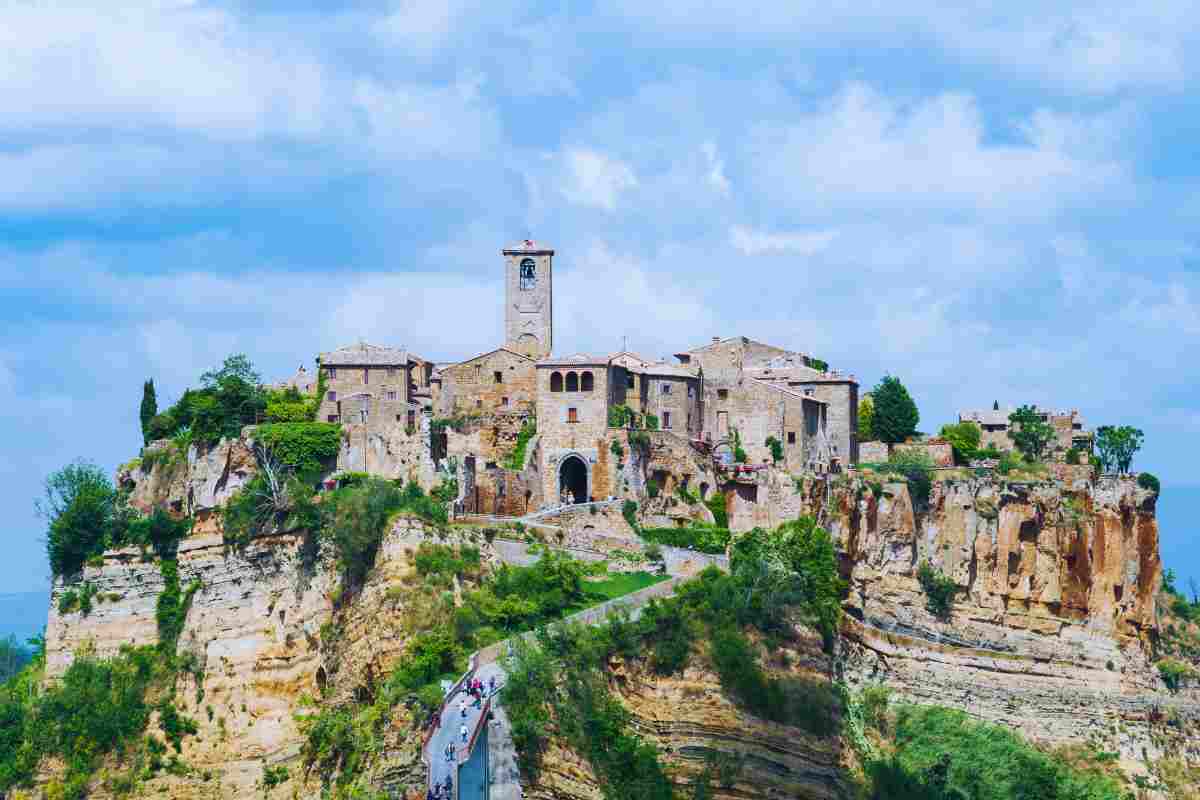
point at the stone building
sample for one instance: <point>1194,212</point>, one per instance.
<point>529,299</point>
<point>386,398</point>
<point>1069,429</point>
<point>372,386</point>
<point>501,381</point>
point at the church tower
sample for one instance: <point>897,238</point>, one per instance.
<point>529,299</point>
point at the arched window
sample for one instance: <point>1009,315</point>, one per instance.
<point>572,382</point>
<point>587,382</point>
<point>556,381</point>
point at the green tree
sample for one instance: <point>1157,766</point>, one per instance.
<point>1029,433</point>
<point>895,416</point>
<point>1117,446</point>
<point>964,438</point>
<point>78,506</point>
<point>866,418</point>
<point>149,408</point>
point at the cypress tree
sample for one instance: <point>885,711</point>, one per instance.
<point>149,406</point>
<point>896,414</point>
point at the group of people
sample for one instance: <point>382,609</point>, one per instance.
<point>441,791</point>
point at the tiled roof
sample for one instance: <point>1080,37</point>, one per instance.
<point>668,369</point>
<point>365,355</point>
<point>579,359</point>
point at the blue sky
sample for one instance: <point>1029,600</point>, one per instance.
<point>992,205</point>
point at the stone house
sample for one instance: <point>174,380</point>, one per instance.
<point>1069,429</point>
<point>574,395</point>
<point>500,381</point>
<point>372,386</point>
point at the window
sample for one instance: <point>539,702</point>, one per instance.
<point>556,382</point>
<point>572,382</point>
<point>572,415</point>
<point>504,402</point>
<point>331,372</point>
<point>366,375</point>
<point>498,376</point>
<point>629,380</point>
<point>666,388</point>
<point>691,391</point>
<point>412,418</point>
<point>331,396</point>
<point>479,404</point>
<point>397,418</point>
<point>332,418</point>
<point>723,394</point>
<point>791,437</point>
<point>528,274</point>
<point>666,419</point>
<point>587,382</point>
<point>391,395</point>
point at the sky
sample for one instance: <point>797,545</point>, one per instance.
<point>989,204</point>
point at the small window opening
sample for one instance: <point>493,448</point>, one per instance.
<point>366,375</point>
<point>556,382</point>
<point>587,382</point>
<point>791,437</point>
<point>723,394</point>
<point>666,388</point>
<point>572,382</point>
<point>629,380</point>
<point>666,419</point>
<point>498,376</point>
<point>572,415</point>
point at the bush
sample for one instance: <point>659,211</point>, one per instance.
<point>941,754</point>
<point>776,448</point>
<point>917,469</point>
<point>616,449</point>
<point>629,512</point>
<point>1073,455</point>
<point>1174,672</point>
<point>79,506</point>
<point>355,520</point>
<point>517,460</point>
<point>427,657</point>
<point>964,439</point>
<point>651,422</point>
<point>308,448</point>
<point>939,590</point>
<point>705,539</point>
<point>652,489</point>
<point>716,504</point>
<point>1148,481</point>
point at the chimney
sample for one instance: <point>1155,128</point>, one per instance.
<point>716,340</point>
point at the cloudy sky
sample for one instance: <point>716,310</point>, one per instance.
<point>992,205</point>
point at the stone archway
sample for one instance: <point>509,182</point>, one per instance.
<point>573,477</point>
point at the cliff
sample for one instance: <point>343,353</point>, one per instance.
<point>1052,632</point>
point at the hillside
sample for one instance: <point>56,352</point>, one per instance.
<point>221,652</point>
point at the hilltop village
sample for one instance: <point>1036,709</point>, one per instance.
<point>527,428</point>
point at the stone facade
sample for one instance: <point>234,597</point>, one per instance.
<point>529,299</point>
<point>501,381</point>
<point>1069,429</point>
<point>369,386</point>
<point>572,412</point>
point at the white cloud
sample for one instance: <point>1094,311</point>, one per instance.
<point>593,179</point>
<point>755,242</point>
<point>716,168</point>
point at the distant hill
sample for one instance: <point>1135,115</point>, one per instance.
<point>23,614</point>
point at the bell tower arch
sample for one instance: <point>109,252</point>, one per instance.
<point>529,298</point>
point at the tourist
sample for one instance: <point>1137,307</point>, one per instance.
<point>462,706</point>
<point>463,730</point>
<point>491,686</point>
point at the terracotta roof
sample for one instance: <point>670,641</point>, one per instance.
<point>365,355</point>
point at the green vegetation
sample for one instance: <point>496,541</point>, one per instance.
<point>866,419</point>
<point>686,495</point>
<point>739,452</point>
<point>622,416</point>
<point>228,399</point>
<point>516,460</point>
<point>619,584</point>
<point>916,468</point>
<point>818,364</point>
<point>777,578</point>
<point>1073,455</point>
<point>13,657</point>
<point>1174,672</point>
<point>79,505</point>
<point>148,408</point>
<point>652,488</point>
<point>651,422</point>
<point>939,590</point>
<point>964,438</point>
<point>704,538</point>
<point>1117,446</point>
<point>895,415</point>
<point>1148,481</point>
<point>629,512</point>
<point>716,504</point>
<point>1030,434</point>
<point>776,448</point>
<point>616,449</point>
<point>307,448</point>
<point>942,754</point>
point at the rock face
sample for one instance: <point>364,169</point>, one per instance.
<point>1049,631</point>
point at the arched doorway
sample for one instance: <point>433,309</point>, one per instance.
<point>573,478</point>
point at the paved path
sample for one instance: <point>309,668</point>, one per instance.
<point>450,729</point>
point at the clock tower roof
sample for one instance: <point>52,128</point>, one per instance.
<point>528,247</point>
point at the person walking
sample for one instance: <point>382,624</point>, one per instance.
<point>463,730</point>
<point>491,686</point>
<point>462,706</point>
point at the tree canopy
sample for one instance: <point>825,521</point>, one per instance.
<point>1029,433</point>
<point>148,409</point>
<point>964,438</point>
<point>866,417</point>
<point>896,416</point>
<point>1116,447</point>
<point>79,506</point>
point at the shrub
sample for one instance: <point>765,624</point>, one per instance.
<point>941,754</point>
<point>79,506</point>
<point>652,489</point>
<point>629,512</point>
<point>1148,481</point>
<point>703,538</point>
<point>964,439</point>
<point>355,519</point>
<point>426,658</point>
<point>517,460</point>
<point>651,422</point>
<point>616,449</point>
<point>1173,672</point>
<point>308,448</point>
<point>916,468</point>
<point>1073,455</point>
<point>939,590</point>
<point>716,504</point>
<point>866,416</point>
<point>776,448</point>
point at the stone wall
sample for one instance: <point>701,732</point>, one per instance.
<point>584,437</point>
<point>472,386</point>
<point>873,452</point>
<point>385,391</point>
<point>938,451</point>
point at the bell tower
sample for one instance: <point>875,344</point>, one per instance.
<point>529,298</point>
